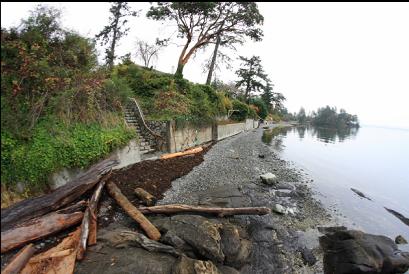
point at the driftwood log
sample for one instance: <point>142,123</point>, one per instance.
<point>93,206</point>
<point>19,261</point>
<point>179,208</point>
<point>56,260</point>
<point>177,154</point>
<point>89,217</point>
<point>62,196</point>
<point>38,228</point>
<point>141,240</point>
<point>147,198</point>
<point>152,232</point>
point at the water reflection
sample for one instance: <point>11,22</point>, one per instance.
<point>274,136</point>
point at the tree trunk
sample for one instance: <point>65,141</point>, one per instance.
<point>37,229</point>
<point>133,212</point>
<point>62,196</point>
<point>178,208</point>
<point>56,264</point>
<point>19,261</point>
<point>213,63</point>
<point>179,70</point>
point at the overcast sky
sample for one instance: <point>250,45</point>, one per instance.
<point>349,55</point>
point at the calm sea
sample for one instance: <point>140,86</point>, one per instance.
<point>372,160</point>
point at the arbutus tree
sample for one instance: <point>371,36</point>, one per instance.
<point>201,23</point>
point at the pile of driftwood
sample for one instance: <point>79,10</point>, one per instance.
<point>36,218</point>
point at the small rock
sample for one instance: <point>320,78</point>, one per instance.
<point>290,211</point>
<point>261,156</point>
<point>307,256</point>
<point>268,178</point>
<point>400,240</point>
<point>279,209</point>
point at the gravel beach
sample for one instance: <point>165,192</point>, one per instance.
<point>284,241</point>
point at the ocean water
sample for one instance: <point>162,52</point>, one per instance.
<point>372,160</point>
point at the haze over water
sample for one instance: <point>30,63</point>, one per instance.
<point>371,159</point>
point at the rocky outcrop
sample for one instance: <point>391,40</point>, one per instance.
<point>186,265</point>
<point>352,251</point>
<point>200,233</point>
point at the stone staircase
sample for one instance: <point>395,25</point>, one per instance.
<point>132,121</point>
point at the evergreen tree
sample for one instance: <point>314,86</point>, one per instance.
<point>251,76</point>
<point>115,29</point>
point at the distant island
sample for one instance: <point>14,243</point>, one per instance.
<point>328,117</point>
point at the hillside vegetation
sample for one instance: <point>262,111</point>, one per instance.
<point>60,108</point>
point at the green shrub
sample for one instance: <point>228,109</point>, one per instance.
<point>242,111</point>
<point>55,145</point>
<point>262,110</point>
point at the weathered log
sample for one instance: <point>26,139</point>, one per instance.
<point>177,154</point>
<point>37,229</point>
<point>133,212</point>
<point>55,264</point>
<point>178,208</point>
<point>147,198</point>
<point>34,207</point>
<point>92,238</point>
<point>79,206</point>
<point>89,216</point>
<point>82,246</point>
<point>19,261</point>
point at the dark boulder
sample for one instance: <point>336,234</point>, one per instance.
<point>400,240</point>
<point>352,251</point>
<point>398,215</point>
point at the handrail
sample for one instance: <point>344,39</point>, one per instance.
<point>143,119</point>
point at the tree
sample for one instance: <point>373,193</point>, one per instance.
<point>278,99</point>
<point>211,65</point>
<point>251,76</point>
<point>301,117</point>
<point>268,95</point>
<point>200,23</point>
<point>115,29</point>
<point>147,52</point>
<point>262,110</point>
